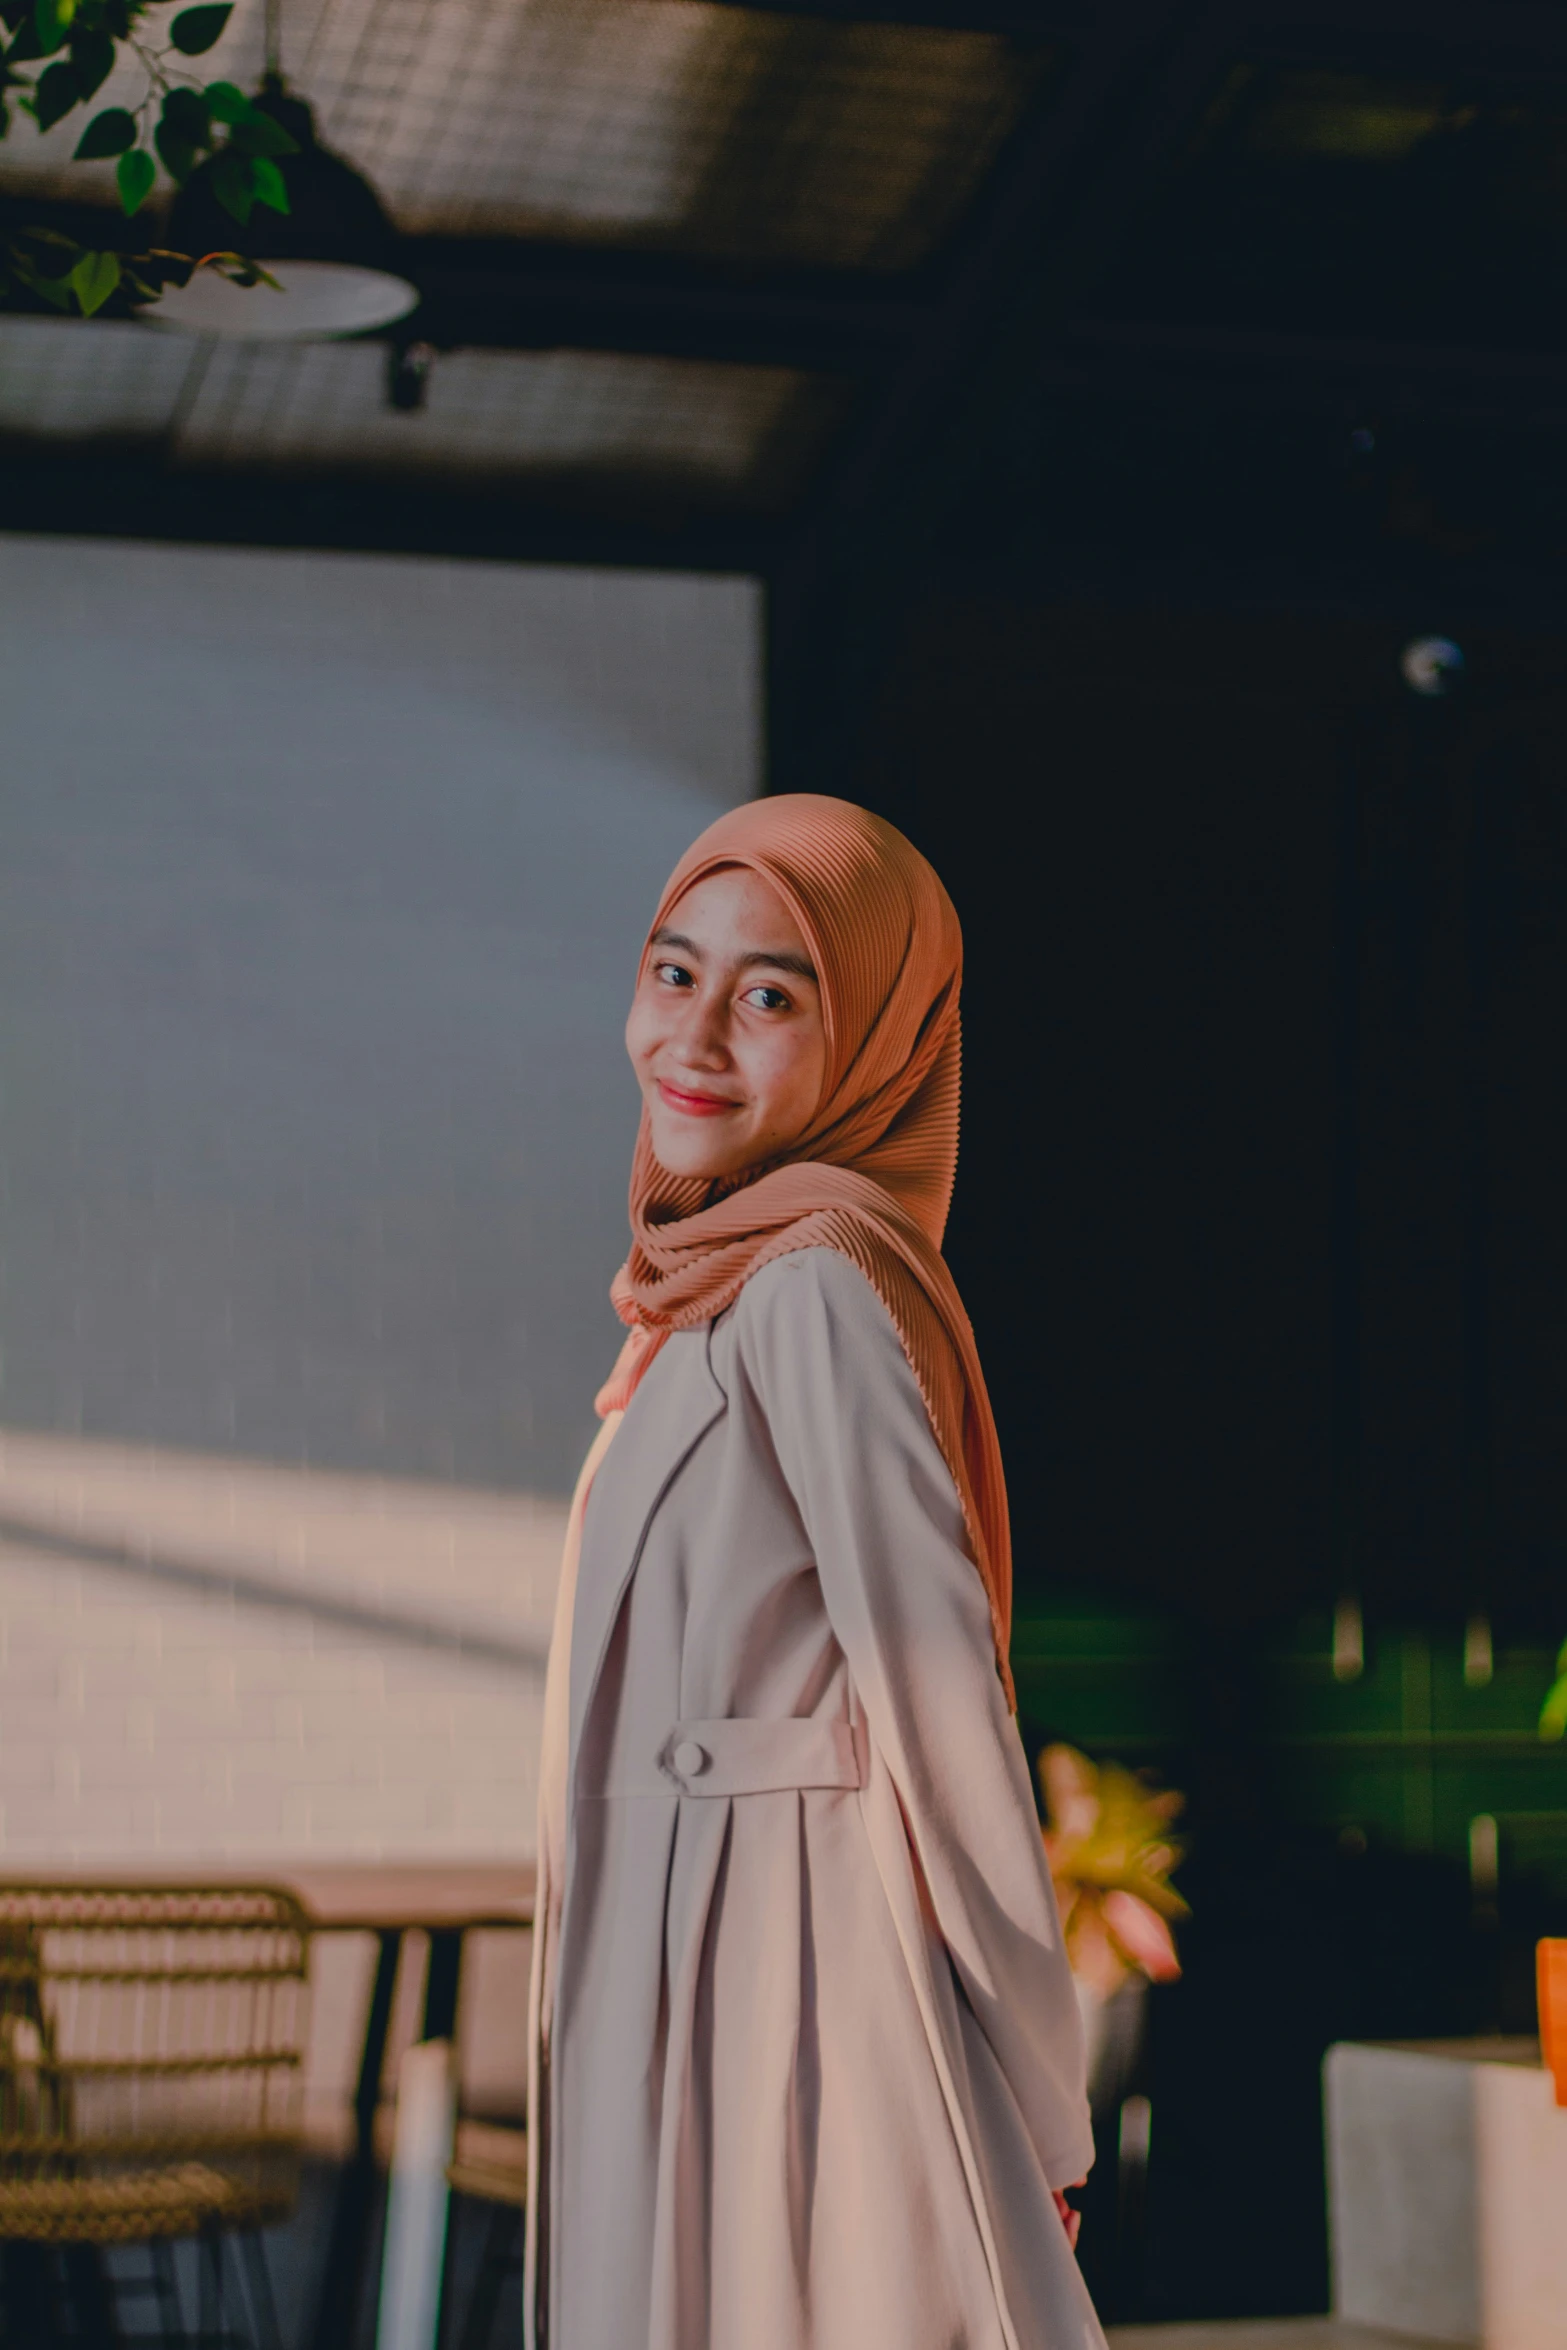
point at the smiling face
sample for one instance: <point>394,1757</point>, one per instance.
<point>726,1032</point>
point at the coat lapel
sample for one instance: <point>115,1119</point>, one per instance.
<point>676,1404</point>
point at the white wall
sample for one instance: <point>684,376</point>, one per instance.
<point>321,883</point>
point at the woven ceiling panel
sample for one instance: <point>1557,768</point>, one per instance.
<point>677,124</point>
<point>718,432</point>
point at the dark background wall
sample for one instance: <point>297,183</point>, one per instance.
<point>1258,1217</point>
<point>1141,814</point>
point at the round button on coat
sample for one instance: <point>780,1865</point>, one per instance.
<point>689,1759</point>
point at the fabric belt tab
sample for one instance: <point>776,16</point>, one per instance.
<point>761,1757</point>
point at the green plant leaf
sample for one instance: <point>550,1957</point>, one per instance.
<point>186,115</point>
<point>173,269</point>
<point>53,289</point>
<point>267,181</point>
<point>233,186</point>
<point>94,279</point>
<point>134,175</point>
<point>53,20</point>
<point>258,134</point>
<point>226,103</point>
<point>241,271</point>
<point>55,95</point>
<point>1553,1714</point>
<point>92,60</point>
<point>48,241</point>
<point>109,133</point>
<point>32,253</point>
<point>179,157</point>
<point>184,129</point>
<point>196,30</point>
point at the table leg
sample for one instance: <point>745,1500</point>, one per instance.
<point>342,2283</point>
<point>92,2297</point>
<point>440,1984</point>
<point>27,2293</point>
<point>440,2023</point>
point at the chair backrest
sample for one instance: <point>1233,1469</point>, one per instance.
<point>146,2025</point>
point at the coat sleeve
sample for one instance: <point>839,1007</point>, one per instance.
<point>885,1525</point>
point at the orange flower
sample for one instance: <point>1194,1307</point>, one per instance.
<point>1111,1858</point>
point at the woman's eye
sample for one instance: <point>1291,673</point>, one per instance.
<point>673,975</point>
<point>768,999</point>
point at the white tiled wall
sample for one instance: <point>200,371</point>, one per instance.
<point>321,885</point>
<point>229,1659</point>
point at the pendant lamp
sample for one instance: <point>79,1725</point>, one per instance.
<point>334,252</point>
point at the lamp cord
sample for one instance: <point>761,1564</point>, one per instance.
<point>274,39</point>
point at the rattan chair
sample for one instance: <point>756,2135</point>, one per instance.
<point>151,2054</point>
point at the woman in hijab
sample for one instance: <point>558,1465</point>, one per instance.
<point>807,2067</point>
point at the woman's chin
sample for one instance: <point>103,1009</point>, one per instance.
<point>693,1157</point>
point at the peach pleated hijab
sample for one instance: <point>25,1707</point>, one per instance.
<point>872,1174</point>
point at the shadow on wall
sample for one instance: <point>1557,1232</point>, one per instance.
<point>220,1659</point>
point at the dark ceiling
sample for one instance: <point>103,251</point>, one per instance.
<point>716,284</point>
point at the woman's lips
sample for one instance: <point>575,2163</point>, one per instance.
<point>694,1105</point>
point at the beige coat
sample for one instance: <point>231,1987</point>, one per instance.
<point>807,2055</point>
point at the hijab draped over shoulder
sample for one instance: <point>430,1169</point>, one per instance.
<point>872,1174</point>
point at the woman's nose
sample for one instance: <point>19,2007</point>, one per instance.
<point>704,1038</point>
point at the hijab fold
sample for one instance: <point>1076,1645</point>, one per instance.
<point>872,1174</point>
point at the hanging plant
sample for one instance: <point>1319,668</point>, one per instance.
<point>57,56</point>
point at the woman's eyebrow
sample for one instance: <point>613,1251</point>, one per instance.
<point>782,960</point>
